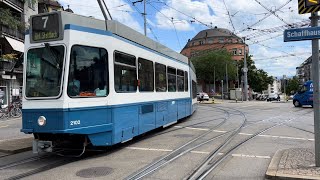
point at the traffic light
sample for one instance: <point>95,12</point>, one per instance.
<point>310,3</point>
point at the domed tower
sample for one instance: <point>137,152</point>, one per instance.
<point>215,39</point>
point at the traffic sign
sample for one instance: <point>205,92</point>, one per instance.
<point>245,69</point>
<point>308,6</point>
<point>301,34</point>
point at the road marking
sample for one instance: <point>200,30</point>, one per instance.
<point>251,156</point>
<point>4,126</point>
<point>149,149</point>
<point>198,152</point>
<point>198,129</point>
<point>248,134</point>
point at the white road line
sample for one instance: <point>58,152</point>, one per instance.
<point>198,129</point>
<point>198,152</point>
<point>248,134</point>
<point>149,149</point>
<point>250,156</point>
<point>4,126</point>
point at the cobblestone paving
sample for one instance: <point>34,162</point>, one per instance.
<point>299,162</point>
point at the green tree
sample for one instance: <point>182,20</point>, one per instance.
<point>217,61</point>
<point>258,79</point>
<point>292,86</point>
<point>8,19</point>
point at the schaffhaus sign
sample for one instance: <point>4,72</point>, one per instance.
<point>302,34</point>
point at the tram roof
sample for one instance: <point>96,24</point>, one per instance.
<point>121,30</point>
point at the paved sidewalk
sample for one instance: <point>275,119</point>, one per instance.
<point>295,163</point>
<point>13,146</point>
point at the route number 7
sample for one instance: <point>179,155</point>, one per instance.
<point>45,18</point>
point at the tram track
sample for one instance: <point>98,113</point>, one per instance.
<point>178,152</point>
<point>198,173</point>
<point>209,164</point>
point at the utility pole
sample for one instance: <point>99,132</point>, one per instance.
<point>214,79</point>
<point>316,88</point>
<point>222,89</point>
<point>227,79</point>
<point>145,18</point>
<point>238,75</point>
<point>284,87</point>
<point>245,71</point>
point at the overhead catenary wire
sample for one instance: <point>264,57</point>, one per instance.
<point>272,12</point>
<point>148,25</point>
<point>269,14</point>
<point>228,12</point>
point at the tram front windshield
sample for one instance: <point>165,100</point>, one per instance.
<point>44,72</point>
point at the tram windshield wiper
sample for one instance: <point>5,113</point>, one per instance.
<point>53,56</point>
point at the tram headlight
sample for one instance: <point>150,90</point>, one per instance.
<point>42,121</point>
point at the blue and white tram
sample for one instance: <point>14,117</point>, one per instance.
<point>85,84</point>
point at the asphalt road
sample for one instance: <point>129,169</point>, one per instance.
<point>289,128</point>
<point>10,129</point>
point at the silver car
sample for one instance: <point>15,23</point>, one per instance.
<point>202,96</point>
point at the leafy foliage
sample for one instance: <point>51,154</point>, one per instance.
<point>292,86</point>
<point>9,20</point>
<point>206,64</point>
<point>10,57</point>
<point>258,79</point>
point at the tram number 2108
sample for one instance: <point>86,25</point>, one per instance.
<point>74,123</point>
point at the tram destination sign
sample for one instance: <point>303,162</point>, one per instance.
<point>302,34</point>
<point>46,28</point>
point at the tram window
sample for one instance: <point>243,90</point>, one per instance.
<point>172,79</point>
<point>88,72</point>
<point>44,72</point>
<point>145,75</point>
<point>161,77</point>
<point>194,89</point>
<point>125,74</point>
<point>186,81</point>
<point>180,80</point>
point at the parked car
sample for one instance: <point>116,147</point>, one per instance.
<point>202,96</point>
<point>273,97</point>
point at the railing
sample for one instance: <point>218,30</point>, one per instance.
<point>17,3</point>
<point>6,65</point>
<point>16,33</point>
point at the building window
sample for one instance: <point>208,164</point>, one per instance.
<point>201,43</point>
<point>234,51</point>
<point>221,40</point>
<point>240,51</point>
<point>180,80</point>
<point>192,43</point>
<point>210,41</point>
<point>160,77</point>
<point>125,74</point>
<point>31,4</point>
<point>145,75</point>
<point>88,72</point>
<point>229,40</point>
<point>172,79</point>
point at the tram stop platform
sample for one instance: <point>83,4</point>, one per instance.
<point>13,146</point>
<point>295,163</point>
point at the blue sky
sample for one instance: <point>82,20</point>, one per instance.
<point>173,22</point>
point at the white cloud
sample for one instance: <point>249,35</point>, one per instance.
<point>119,10</point>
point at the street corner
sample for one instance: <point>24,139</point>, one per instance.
<point>14,146</point>
<point>294,163</point>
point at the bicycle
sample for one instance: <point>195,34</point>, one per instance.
<point>11,111</point>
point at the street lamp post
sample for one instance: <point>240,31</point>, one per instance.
<point>284,87</point>
<point>245,72</point>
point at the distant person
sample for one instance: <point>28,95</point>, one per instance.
<point>74,87</point>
